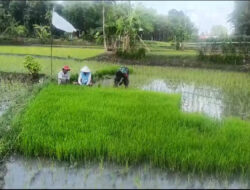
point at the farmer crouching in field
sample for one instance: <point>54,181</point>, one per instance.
<point>122,77</point>
<point>85,76</point>
<point>64,75</point>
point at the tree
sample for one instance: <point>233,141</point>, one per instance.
<point>240,17</point>
<point>219,31</point>
<point>103,26</point>
<point>85,16</point>
<point>42,32</point>
<point>35,13</point>
<point>16,9</point>
<point>5,16</point>
<point>180,26</point>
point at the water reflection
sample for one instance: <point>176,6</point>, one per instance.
<point>206,100</point>
<point>42,173</point>
<point>3,108</point>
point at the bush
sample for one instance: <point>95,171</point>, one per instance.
<point>223,59</point>
<point>133,54</point>
<point>223,53</point>
<point>42,32</point>
<point>32,66</point>
<point>21,31</point>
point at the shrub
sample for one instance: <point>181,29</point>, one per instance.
<point>132,54</point>
<point>21,31</point>
<point>32,66</point>
<point>42,32</point>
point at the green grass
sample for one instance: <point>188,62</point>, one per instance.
<point>131,126</point>
<point>80,53</point>
<point>15,64</point>
<point>234,85</point>
<point>172,53</point>
<point>16,93</point>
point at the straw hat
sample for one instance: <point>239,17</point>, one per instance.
<point>85,69</point>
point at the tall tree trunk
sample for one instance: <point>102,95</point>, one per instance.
<point>103,26</point>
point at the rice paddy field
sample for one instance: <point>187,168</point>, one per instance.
<point>233,87</point>
<point>197,122</point>
<point>131,126</point>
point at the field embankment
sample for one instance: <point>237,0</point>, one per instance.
<point>64,52</point>
<point>131,126</point>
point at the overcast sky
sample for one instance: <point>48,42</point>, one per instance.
<point>204,14</point>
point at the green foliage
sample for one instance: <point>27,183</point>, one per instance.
<point>42,32</point>
<point>100,74</point>
<point>233,50</point>
<point>131,126</point>
<point>181,27</point>
<point>132,54</point>
<point>21,31</point>
<point>19,93</point>
<point>32,66</point>
<point>240,17</point>
<point>224,59</point>
<point>123,23</point>
<point>13,30</point>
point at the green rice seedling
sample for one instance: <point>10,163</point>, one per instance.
<point>233,85</point>
<point>132,126</point>
<point>17,94</point>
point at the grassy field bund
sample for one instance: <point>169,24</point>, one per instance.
<point>79,53</point>
<point>131,127</point>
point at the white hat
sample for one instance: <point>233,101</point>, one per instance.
<point>85,69</point>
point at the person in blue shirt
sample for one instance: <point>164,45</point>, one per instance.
<point>85,76</point>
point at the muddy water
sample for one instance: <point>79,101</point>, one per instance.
<point>9,92</point>
<point>3,108</point>
<point>42,173</point>
<point>11,89</point>
<point>206,100</point>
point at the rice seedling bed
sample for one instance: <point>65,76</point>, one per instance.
<point>129,126</point>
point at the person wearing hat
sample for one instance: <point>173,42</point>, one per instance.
<point>85,76</point>
<point>64,75</point>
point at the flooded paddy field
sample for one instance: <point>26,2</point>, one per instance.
<point>43,173</point>
<point>211,101</point>
<point>208,100</point>
<point>10,90</point>
<point>21,172</point>
<point>13,89</point>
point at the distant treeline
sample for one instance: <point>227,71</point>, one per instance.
<point>117,25</point>
<point>87,17</point>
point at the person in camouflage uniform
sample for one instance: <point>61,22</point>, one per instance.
<point>122,77</point>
